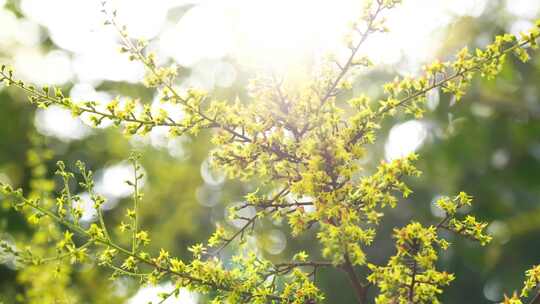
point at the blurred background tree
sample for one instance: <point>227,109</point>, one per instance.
<point>488,145</point>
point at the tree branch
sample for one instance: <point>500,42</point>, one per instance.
<point>345,68</point>
<point>359,289</point>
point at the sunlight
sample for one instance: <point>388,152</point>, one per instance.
<point>268,34</point>
<point>523,8</point>
<point>275,242</point>
<point>282,34</point>
<point>275,34</point>
<point>58,122</point>
<point>217,39</point>
<point>89,213</point>
<point>111,183</point>
<point>150,294</point>
<point>279,35</point>
<point>211,176</point>
<point>405,138</point>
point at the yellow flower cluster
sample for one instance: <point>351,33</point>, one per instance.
<point>300,140</point>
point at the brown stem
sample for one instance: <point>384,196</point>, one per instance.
<point>359,288</point>
<point>413,282</point>
<point>354,51</point>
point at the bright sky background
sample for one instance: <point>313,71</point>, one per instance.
<point>258,34</point>
<point>278,34</point>
<point>264,34</point>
